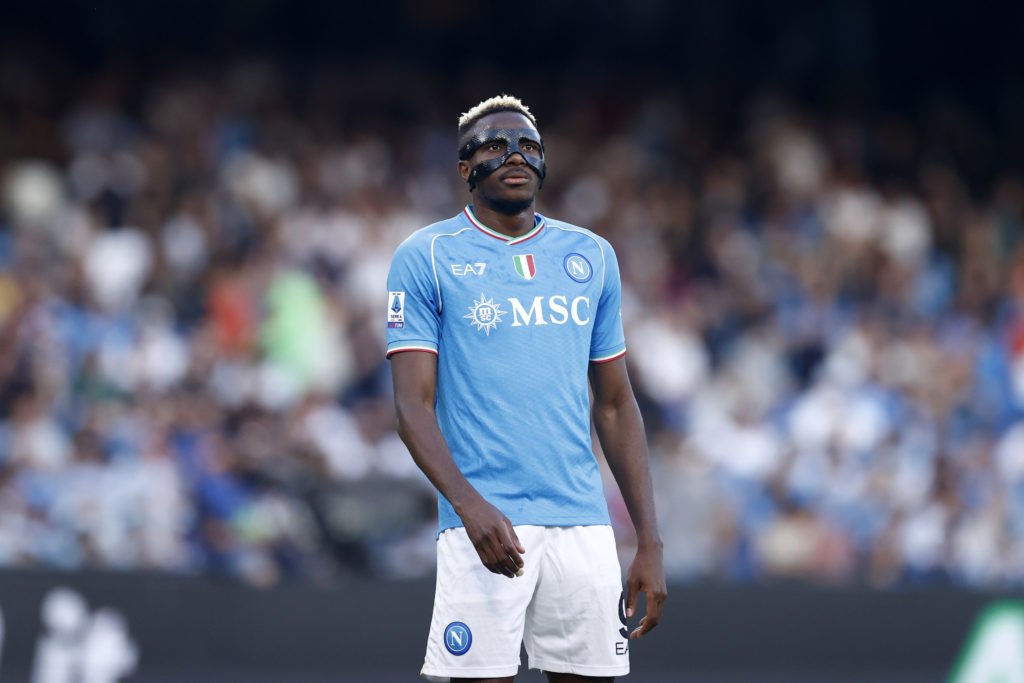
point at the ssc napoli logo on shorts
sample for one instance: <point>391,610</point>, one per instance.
<point>578,267</point>
<point>457,638</point>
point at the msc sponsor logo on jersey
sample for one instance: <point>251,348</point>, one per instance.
<point>396,309</point>
<point>462,269</point>
<point>578,267</point>
<point>559,310</point>
<point>485,314</point>
<point>457,638</point>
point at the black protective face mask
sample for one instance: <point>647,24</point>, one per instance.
<point>511,137</point>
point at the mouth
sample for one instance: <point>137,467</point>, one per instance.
<point>515,178</point>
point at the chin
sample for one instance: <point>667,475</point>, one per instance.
<point>509,206</point>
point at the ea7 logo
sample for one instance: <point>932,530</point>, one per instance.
<point>461,269</point>
<point>558,311</point>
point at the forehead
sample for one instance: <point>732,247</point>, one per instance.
<point>501,119</point>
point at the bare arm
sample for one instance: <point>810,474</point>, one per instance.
<point>621,431</point>
<point>415,381</point>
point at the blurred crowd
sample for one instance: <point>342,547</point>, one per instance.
<point>825,323</point>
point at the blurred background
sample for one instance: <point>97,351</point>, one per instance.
<point>818,211</point>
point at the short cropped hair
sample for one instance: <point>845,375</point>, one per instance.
<point>492,105</point>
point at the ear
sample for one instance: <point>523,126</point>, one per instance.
<point>464,169</point>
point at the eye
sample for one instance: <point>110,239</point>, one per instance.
<point>528,146</point>
<point>496,146</point>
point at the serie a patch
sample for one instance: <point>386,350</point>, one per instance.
<point>396,309</point>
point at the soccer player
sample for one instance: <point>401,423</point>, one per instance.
<point>496,320</point>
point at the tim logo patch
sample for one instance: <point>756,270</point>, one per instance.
<point>396,309</point>
<point>457,638</point>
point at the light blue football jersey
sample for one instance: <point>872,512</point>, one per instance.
<point>515,324</point>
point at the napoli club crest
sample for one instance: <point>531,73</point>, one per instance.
<point>457,638</point>
<point>578,267</point>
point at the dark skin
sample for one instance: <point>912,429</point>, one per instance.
<point>615,412</point>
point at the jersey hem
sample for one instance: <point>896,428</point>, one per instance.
<point>561,523</point>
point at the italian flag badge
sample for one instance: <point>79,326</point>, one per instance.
<point>525,265</point>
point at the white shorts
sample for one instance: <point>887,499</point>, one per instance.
<point>566,607</point>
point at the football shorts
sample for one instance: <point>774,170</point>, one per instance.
<point>567,607</point>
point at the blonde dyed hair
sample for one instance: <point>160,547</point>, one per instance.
<point>493,105</point>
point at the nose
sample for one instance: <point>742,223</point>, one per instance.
<point>516,159</point>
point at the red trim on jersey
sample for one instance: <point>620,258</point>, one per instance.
<point>536,230</point>
<point>606,360</point>
<point>410,348</point>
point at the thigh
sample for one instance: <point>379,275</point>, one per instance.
<point>477,625</point>
<point>573,624</point>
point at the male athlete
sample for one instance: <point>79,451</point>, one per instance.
<point>496,320</point>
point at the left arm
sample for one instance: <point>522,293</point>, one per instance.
<point>621,431</point>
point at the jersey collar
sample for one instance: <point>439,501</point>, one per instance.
<point>539,224</point>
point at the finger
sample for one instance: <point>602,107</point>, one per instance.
<point>632,591</point>
<point>497,552</point>
<point>502,559</point>
<point>643,627</point>
<point>511,561</point>
<point>500,565</point>
<point>512,547</point>
<point>490,559</point>
<point>490,565</point>
<point>515,538</point>
<point>655,602</point>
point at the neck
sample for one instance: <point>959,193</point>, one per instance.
<point>512,225</point>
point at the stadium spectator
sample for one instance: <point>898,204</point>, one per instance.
<point>825,325</point>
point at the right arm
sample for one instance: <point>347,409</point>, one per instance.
<point>415,381</point>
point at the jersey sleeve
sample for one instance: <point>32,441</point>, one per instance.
<point>413,317</point>
<point>608,341</point>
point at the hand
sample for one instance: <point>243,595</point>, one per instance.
<point>647,574</point>
<point>494,538</point>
